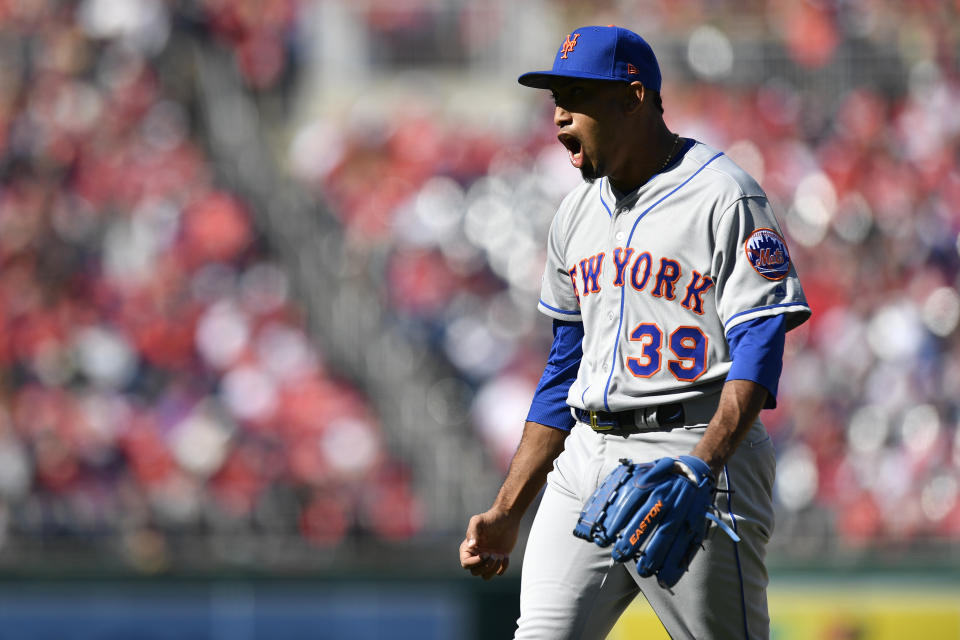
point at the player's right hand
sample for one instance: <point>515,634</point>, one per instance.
<point>485,550</point>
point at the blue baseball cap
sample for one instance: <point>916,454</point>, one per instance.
<point>600,53</point>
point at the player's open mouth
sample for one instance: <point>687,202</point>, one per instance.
<point>574,149</point>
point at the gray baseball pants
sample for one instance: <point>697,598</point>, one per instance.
<point>571,589</point>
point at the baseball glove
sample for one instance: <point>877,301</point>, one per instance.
<point>656,513</point>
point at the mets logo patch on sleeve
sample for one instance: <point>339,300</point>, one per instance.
<point>768,254</point>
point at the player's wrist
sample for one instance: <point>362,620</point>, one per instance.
<point>506,512</point>
<point>711,460</point>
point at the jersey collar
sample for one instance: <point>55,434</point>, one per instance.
<point>629,199</point>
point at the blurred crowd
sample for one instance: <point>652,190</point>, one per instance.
<point>864,174</point>
<point>157,381</point>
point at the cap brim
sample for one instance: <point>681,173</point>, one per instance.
<point>546,79</point>
<point>537,79</point>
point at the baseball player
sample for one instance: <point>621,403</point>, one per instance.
<point>670,287</point>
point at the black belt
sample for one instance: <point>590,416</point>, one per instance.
<point>664,417</point>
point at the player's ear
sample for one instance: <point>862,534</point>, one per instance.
<point>635,97</point>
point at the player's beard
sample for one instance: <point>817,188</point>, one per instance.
<point>590,172</point>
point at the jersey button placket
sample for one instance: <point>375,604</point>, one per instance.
<point>620,235</point>
<point>612,303</point>
<point>618,238</point>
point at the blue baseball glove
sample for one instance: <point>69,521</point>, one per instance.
<point>656,513</point>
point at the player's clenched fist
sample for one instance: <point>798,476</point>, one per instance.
<point>485,550</point>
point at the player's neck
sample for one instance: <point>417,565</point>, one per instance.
<point>640,169</point>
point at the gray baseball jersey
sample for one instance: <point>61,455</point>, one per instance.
<point>659,276</point>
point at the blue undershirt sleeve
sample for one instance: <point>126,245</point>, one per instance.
<point>756,348</point>
<point>549,406</point>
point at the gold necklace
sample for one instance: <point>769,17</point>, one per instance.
<point>673,149</point>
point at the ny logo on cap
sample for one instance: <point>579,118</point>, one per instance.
<point>569,44</point>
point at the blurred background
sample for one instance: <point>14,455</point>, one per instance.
<point>268,284</point>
